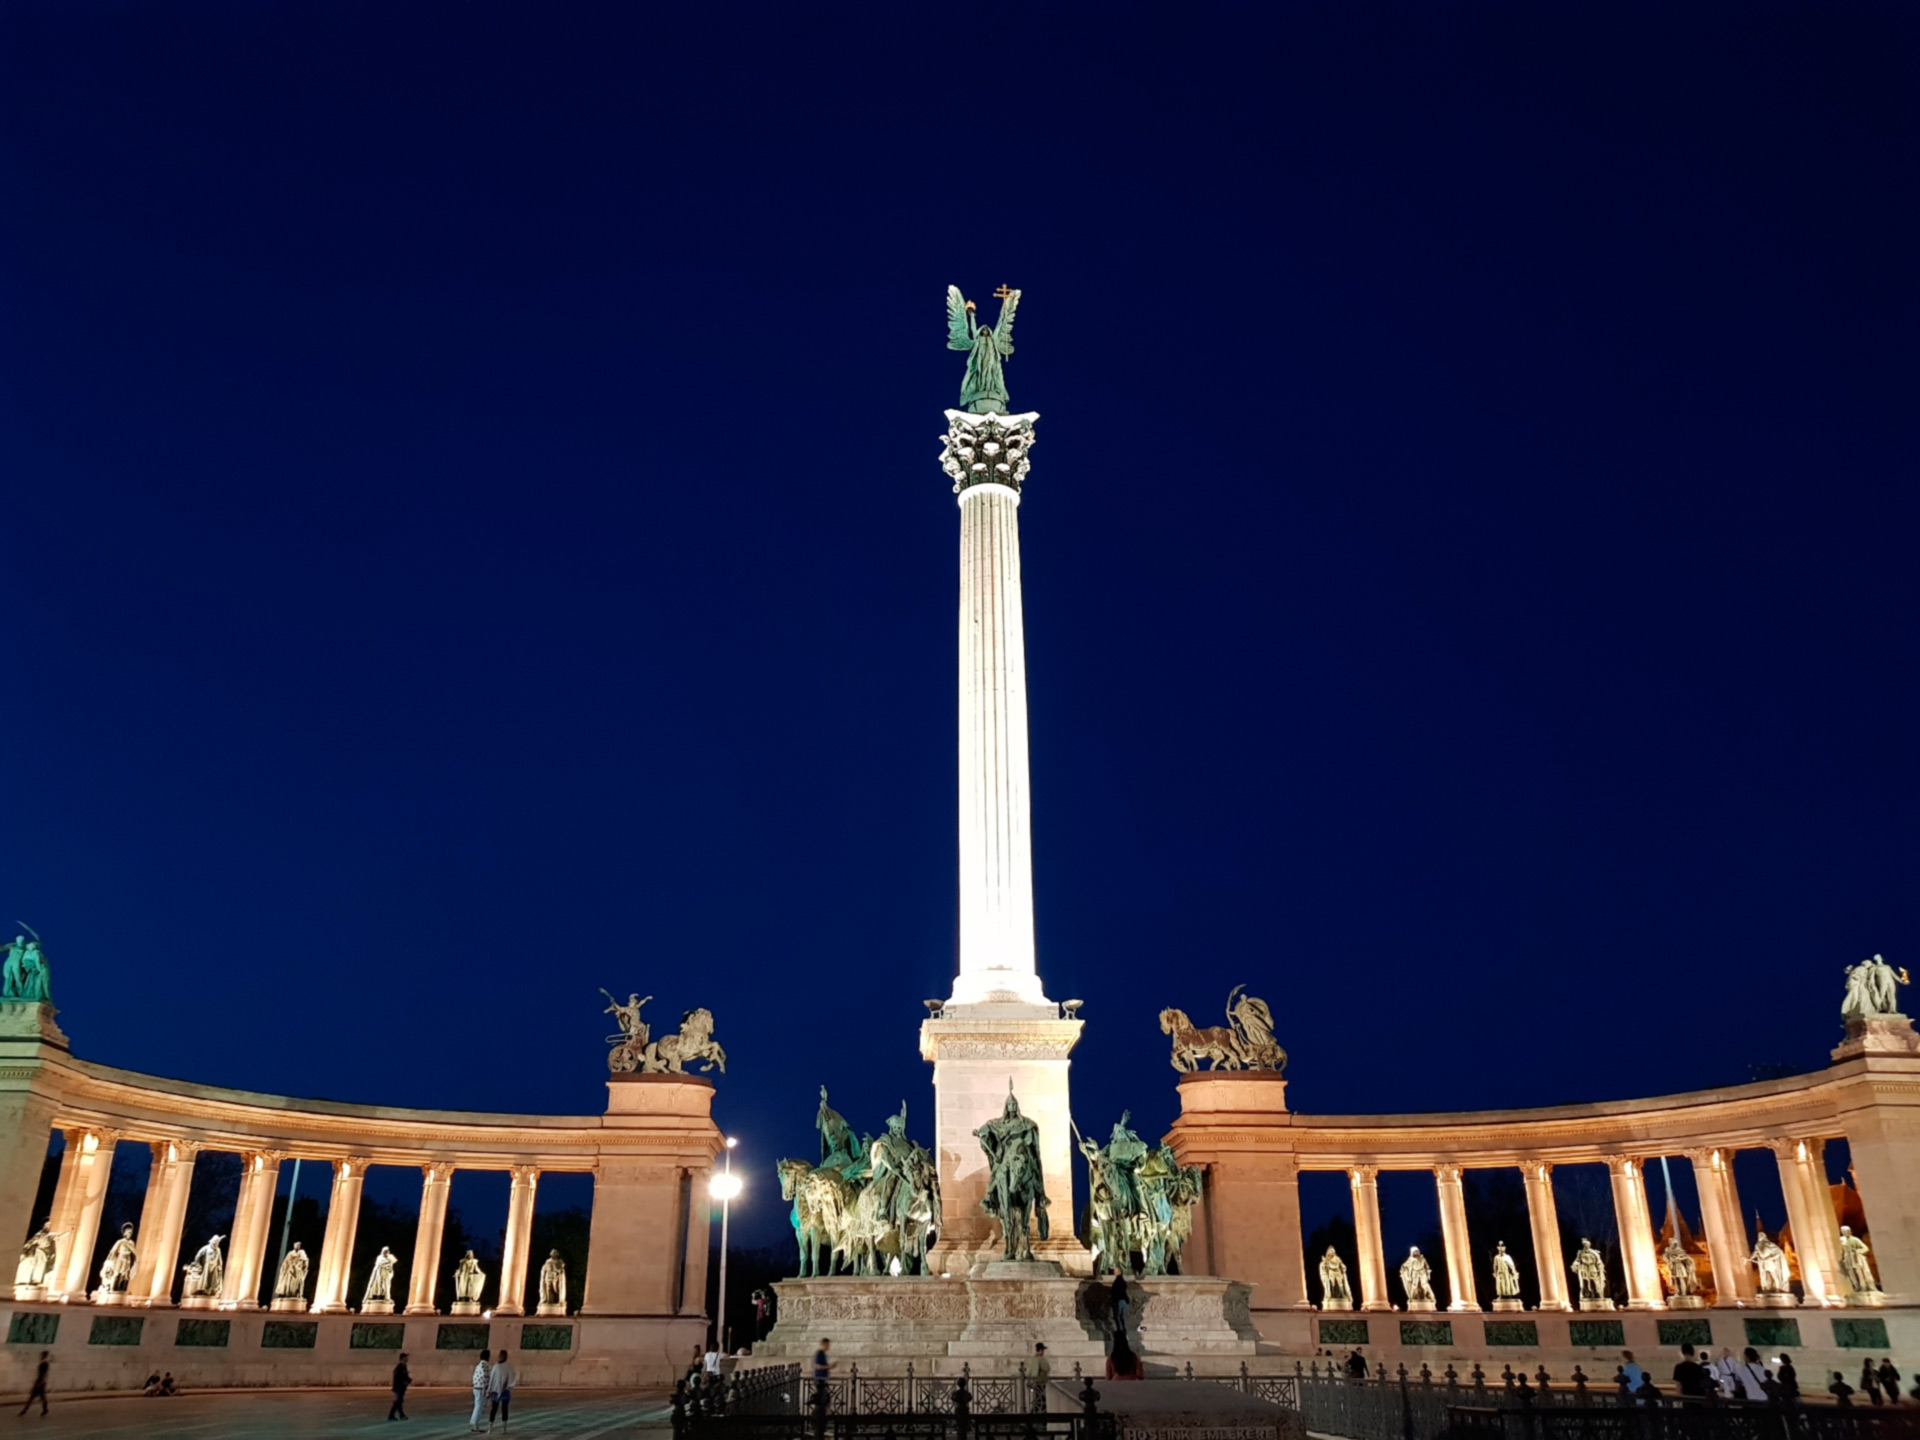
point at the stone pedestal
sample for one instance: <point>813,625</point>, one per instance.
<point>1508,1303</point>
<point>109,1297</point>
<point>1873,1299</point>
<point>1773,1301</point>
<point>466,1307</point>
<point>29,1292</point>
<point>1686,1302</point>
<point>377,1307</point>
<point>199,1302</point>
<point>1879,1035</point>
<point>977,1052</point>
<point>291,1304</point>
<point>1417,1306</point>
<point>550,1310</point>
<point>1586,1304</point>
<point>1336,1304</point>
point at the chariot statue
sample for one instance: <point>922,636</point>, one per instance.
<point>633,1049</point>
<point>1245,1042</point>
<point>1016,1188</point>
<point>1873,990</point>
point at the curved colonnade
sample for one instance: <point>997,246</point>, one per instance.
<point>1238,1128</point>
<point>641,1310</point>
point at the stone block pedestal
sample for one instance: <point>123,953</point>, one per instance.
<point>1586,1304</point>
<point>1686,1302</point>
<point>377,1307</point>
<point>466,1307</point>
<point>290,1304</point>
<point>1508,1303</point>
<point>560,1310</point>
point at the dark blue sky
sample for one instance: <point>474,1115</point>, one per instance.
<point>475,535</point>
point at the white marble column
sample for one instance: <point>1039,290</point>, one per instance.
<point>435,1181</point>
<point>1630,1212</point>
<point>252,1226</point>
<point>1366,1230</point>
<point>1453,1230</point>
<point>986,456</point>
<point>519,1241</point>
<point>161,1218</point>
<point>336,1245</point>
<point>1548,1260</point>
<point>1733,1278</point>
<point>1816,1233</point>
<point>78,1200</point>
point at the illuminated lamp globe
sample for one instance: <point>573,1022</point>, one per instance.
<point>724,1186</point>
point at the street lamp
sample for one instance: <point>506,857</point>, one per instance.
<point>723,1187</point>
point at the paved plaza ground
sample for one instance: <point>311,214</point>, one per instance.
<point>295,1414</point>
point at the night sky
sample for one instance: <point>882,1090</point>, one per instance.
<point>469,477</point>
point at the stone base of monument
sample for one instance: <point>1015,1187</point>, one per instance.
<point>29,1292</point>
<point>1878,1035</point>
<point>1773,1301</point>
<point>550,1310</point>
<point>1871,1298</point>
<point>294,1304</point>
<point>1586,1304</point>
<point>109,1297</point>
<point>1686,1302</point>
<point>1414,1306</point>
<point>1336,1304</point>
<point>377,1307</point>
<point>466,1307</point>
<point>1002,1313</point>
<point>1508,1302</point>
<point>199,1302</point>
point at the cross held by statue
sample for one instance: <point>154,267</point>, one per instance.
<point>1002,293</point>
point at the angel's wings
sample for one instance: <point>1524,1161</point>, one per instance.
<point>1003,328</point>
<point>959,324</point>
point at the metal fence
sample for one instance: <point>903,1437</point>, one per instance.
<point>1692,1420</point>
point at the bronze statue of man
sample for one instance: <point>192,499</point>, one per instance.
<point>1015,1185</point>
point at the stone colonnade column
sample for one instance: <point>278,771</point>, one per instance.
<point>1726,1232</point>
<point>513,1254</point>
<point>1453,1228</point>
<point>1631,1213</point>
<point>336,1246</point>
<point>162,1218</point>
<point>1548,1260</point>
<point>252,1226</point>
<point>77,1201</point>
<point>435,1182</point>
<point>1816,1233</point>
<point>1366,1230</point>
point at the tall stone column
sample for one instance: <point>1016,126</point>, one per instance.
<point>1631,1213</point>
<point>252,1227</point>
<point>436,1180</point>
<point>336,1245</point>
<point>1366,1229</point>
<point>1548,1260</point>
<point>1733,1279</point>
<point>162,1217</point>
<point>998,1031</point>
<point>1453,1229</point>
<point>78,1201</point>
<point>1816,1231</point>
<point>519,1241</point>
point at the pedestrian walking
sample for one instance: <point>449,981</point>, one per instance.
<point>1890,1381</point>
<point>481,1370</point>
<point>39,1390</point>
<point>500,1392</point>
<point>1870,1382</point>
<point>402,1378</point>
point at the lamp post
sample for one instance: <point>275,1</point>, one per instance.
<point>723,1187</point>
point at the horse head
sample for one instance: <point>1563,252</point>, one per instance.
<point>1172,1022</point>
<point>792,1172</point>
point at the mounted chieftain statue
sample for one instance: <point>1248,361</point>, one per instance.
<point>1142,1203</point>
<point>867,1203</point>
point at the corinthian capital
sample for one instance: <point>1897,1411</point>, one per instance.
<point>987,449</point>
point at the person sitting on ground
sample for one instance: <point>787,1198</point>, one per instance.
<point>1122,1363</point>
<point>167,1387</point>
<point>152,1387</point>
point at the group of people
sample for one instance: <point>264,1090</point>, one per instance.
<point>492,1391</point>
<point>159,1384</point>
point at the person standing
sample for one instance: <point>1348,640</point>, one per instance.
<point>1890,1381</point>
<point>1042,1377</point>
<point>480,1373</point>
<point>1118,1294</point>
<point>1841,1391</point>
<point>39,1390</point>
<point>402,1378</point>
<point>1688,1377</point>
<point>500,1392</point>
<point>1870,1382</point>
<point>1630,1368</point>
<point>1788,1380</point>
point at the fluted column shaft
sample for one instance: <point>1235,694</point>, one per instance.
<point>81,1193</point>
<point>1544,1216</point>
<point>435,1182</point>
<point>1453,1229</point>
<point>162,1217</point>
<point>519,1241</point>
<point>336,1246</point>
<point>1816,1233</point>
<point>1632,1215</point>
<point>252,1226</point>
<point>1366,1231</point>
<point>996,853</point>
<point>1733,1279</point>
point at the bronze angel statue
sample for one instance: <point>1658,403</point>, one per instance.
<point>984,391</point>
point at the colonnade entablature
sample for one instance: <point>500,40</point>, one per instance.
<point>1238,1128</point>
<point>650,1153</point>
